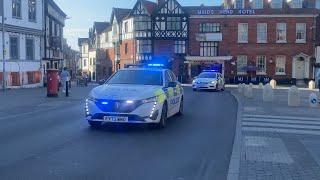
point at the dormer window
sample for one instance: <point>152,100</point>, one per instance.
<point>238,4</point>
<point>257,4</point>
<point>276,4</point>
<point>295,3</point>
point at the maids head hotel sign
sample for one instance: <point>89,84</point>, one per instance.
<point>225,12</point>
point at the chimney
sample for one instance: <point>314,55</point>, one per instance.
<point>160,2</point>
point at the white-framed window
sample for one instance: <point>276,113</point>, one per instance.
<point>295,3</point>
<point>179,47</point>
<point>281,32</point>
<point>242,62</point>
<point>243,33</point>
<point>173,23</point>
<point>280,65</point>
<point>238,4</point>
<point>29,48</point>
<point>32,13</point>
<point>261,64</point>
<point>142,23</point>
<point>262,29</point>
<point>16,8</point>
<point>300,32</point>
<point>276,4</point>
<point>209,49</point>
<point>257,4</point>
<point>126,27</point>
<point>84,62</point>
<point>209,27</point>
<point>144,46</point>
<point>14,47</point>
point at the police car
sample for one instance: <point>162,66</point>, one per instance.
<point>209,79</point>
<point>136,95</point>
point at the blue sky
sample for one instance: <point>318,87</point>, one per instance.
<point>83,13</point>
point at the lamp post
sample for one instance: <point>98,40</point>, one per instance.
<point>3,50</point>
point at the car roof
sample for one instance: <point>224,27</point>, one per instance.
<point>144,69</point>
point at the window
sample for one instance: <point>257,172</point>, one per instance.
<point>243,32</point>
<point>296,3</point>
<point>126,28</point>
<point>16,8</point>
<point>209,49</point>
<point>126,48</point>
<point>84,62</point>
<point>262,32</point>
<point>14,48</point>
<point>301,32</point>
<point>90,61</point>
<point>94,61</point>
<point>281,32</point>
<point>238,4</point>
<point>209,27</point>
<point>142,23</point>
<point>257,4</point>
<point>144,46</point>
<point>242,62</point>
<point>179,47</point>
<point>280,65</point>
<point>32,10</point>
<point>30,49</point>
<point>173,23</point>
<point>261,65</point>
<point>276,4</point>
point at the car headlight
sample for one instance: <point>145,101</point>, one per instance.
<point>91,98</point>
<point>213,82</point>
<point>193,81</point>
<point>150,100</point>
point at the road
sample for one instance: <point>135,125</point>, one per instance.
<point>51,140</point>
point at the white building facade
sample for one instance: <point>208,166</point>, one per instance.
<point>23,39</point>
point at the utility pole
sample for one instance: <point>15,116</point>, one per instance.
<point>3,49</point>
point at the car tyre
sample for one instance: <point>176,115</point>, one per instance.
<point>95,124</point>
<point>164,116</point>
<point>222,89</point>
<point>180,113</point>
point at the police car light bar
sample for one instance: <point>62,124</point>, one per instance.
<point>155,65</point>
<point>212,70</point>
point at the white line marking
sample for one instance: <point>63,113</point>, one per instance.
<point>281,121</point>
<point>289,131</point>
<point>280,117</point>
<point>280,125</point>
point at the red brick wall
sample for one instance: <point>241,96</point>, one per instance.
<point>230,45</point>
<point>130,55</point>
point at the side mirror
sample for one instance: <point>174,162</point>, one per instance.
<point>172,84</point>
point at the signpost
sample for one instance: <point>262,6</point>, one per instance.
<point>3,49</point>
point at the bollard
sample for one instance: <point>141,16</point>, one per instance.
<point>313,100</point>
<point>294,97</point>
<point>261,85</point>
<point>268,93</point>
<point>248,92</point>
<point>312,85</point>
<point>67,88</point>
<point>273,83</point>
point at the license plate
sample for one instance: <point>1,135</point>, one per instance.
<point>115,119</point>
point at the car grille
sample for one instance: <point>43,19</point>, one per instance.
<point>117,106</point>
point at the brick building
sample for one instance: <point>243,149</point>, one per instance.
<point>248,41</point>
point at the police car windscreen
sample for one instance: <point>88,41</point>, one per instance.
<point>138,77</point>
<point>208,75</point>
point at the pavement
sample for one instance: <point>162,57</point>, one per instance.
<point>48,138</point>
<point>276,141</point>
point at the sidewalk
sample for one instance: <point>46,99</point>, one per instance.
<point>276,141</point>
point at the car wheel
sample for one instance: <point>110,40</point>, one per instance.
<point>163,119</point>
<point>180,113</point>
<point>222,89</point>
<point>95,124</point>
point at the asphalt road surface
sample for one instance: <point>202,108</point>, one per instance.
<point>53,141</point>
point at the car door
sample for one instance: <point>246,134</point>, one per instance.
<point>169,93</point>
<point>176,93</point>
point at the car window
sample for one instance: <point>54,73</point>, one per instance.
<point>139,77</point>
<point>167,78</point>
<point>173,76</point>
<point>208,75</point>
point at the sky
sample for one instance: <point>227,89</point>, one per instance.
<point>82,13</point>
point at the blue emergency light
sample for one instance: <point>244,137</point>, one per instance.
<point>211,70</point>
<point>155,65</point>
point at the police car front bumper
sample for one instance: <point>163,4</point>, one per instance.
<point>144,114</point>
<point>210,86</point>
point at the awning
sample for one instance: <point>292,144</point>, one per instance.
<point>206,59</point>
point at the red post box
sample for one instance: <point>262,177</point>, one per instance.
<point>52,82</point>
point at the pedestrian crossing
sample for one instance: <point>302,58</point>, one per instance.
<point>281,124</point>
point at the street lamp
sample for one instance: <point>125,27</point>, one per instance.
<point>3,50</point>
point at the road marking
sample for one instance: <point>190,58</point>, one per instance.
<point>281,124</point>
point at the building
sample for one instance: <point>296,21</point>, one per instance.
<point>23,39</point>
<point>54,23</point>
<point>247,41</point>
<point>83,44</point>
<point>70,59</point>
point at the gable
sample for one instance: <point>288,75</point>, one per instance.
<point>139,9</point>
<point>171,7</point>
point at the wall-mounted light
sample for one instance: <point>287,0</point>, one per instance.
<point>271,61</point>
